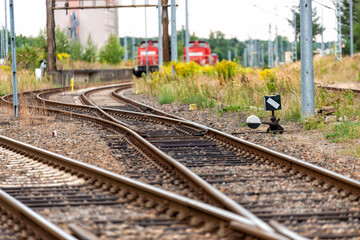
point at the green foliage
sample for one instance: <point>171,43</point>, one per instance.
<point>63,44</point>
<point>345,23</point>
<point>166,96</point>
<point>316,26</point>
<point>344,132</point>
<point>112,52</point>
<point>77,51</point>
<point>312,123</point>
<point>29,57</point>
<point>90,51</point>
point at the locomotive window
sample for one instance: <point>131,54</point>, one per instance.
<point>155,44</point>
<point>203,45</point>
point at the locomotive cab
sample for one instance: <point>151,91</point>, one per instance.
<point>199,52</point>
<point>147,52</point>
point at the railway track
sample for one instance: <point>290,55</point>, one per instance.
<point>111,126</point>
<point>201,149</point>
<point>310,200</point>
<point>91,203</point>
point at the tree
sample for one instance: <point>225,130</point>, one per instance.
<point>90,51</point>
<point>345,23</point>
<point>29,57</point>
<point>112,52</point>
<point>76,50</point>
<point>316,27</point>
<point>218,44</point>
<point>63,44</point>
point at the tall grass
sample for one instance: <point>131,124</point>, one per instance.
<point>327,71</point>
<point>25,81</point>
<point>226,86</point>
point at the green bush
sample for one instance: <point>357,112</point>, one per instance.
<point>112,52</point>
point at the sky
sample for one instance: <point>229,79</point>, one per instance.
<point>243,19</point>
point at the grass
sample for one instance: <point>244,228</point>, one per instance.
<point>343,132</point>
<point>25,81</point>
<point>327,71</point>
<point>70,65</point>
<point>227,86</point>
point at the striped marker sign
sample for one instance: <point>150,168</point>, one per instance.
<point>272,103</point>
<point>253,122</point>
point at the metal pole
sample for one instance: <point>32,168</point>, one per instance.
<point>281,50</point>
<point>6,33</point>
<point>182,35</point>
<point>126,50</point>
<point>160,43</point>
<point>245,57</point>
<point>322,31</point>
<point>276,48</point>
<point>133,48</point>
<point>270,52</point>
<point>13,56</point>
<point>338,53</point>
<point>229,55</point>
<point>235,53</point>
<point>187,37</point>
<point>294,44</point>
<point>146,44</point>
<point>307,65</point>
<point>2,53</point>
<point>173,34</point>
<point>351,29</point>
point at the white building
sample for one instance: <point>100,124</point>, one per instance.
<point>79,23</point>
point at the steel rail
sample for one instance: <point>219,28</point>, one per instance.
<point>221,198</point>
<point>304,169</point>
<point>143,193</point>
<point>171,164</point>
<point>27,221</point>
<point>338,89</point>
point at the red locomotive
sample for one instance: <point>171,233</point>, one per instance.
<point>152,57</point>
<point>200,52</point>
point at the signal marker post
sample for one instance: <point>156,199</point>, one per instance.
<point>273,103</point>
<point>72,84</point>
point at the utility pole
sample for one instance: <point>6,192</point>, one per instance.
<point>6,33</point>
<point>165,25</point>
<point>126,49</point>
<point>160,43</point>
<point>2,54</point>
<point>245,57</point>
<point>13,57</point>
<point>262,54</point>
<point>294,43</point>
<point>235,53</point>
<point>322,30</point>
<point>229,55</point>
<point>338,53</point>
<point>307,65</point>
<point>187,36</point>
<point>50,30</point>
<point>133,48</point>
<point>182,35</point>
<point>270,52</point>
<point>351,29</point>
<point>281,50</point>
<point>146,43</point>
<point>276,48</point>
<point>174,55</point>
